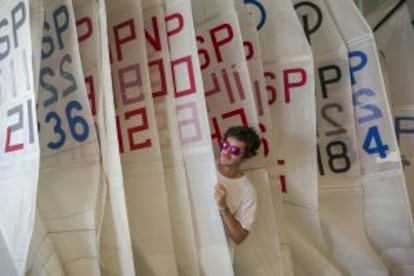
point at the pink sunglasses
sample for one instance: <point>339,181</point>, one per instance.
<point>235,150</point>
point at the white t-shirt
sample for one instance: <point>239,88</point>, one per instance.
<point>241,200</point>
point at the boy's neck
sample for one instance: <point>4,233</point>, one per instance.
<point>230,172</point>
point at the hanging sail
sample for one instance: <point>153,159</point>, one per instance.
<point>387,215</point>
<point>228,89</point>
<point>162,86</point>
<point>19,146</point>
<point>70,187</point>
<point>260,252</point>
<point>395,41</point>
<point>410,5</point>
<point>42,256</point>
<point>338,162</point>
<point>36,28</point>
<point>288,65</point>
<point>278,47</point>
<point>224,69</point>
<point>212,251</point>
<point>6,263</point>
<point>115,242</point>
<point>43,259</point>
<point>150,222</point>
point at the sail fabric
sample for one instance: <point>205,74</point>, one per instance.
<point>162,86</point>
<point>288,65</point>
<point>43,259</point>
<point>338,161</point>
<point>230,101</point>
<point>387,215</point>
<point>286,81</point>
<point>224,69</point>
<point>6,263</point>
<point>115,244</point>
<point>257,13</point>
<point>112,113</point>
<point>36,28</point>
<point>193,125</point>
<point>411,9</point>
<point>70,188</point>
<point>19,143</point>
<point>260,252</point>
<point>251,46</point>
<point>395,41</point>
<point>310,261</point>
<point>146,196</point>
<point>345,232</point>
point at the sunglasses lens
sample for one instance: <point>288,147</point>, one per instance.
<point>224,145</point>
<point>235,150</point>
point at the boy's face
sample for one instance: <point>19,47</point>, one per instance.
<point>232,152</point>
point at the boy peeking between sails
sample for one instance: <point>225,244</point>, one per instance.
<point>235,195</point>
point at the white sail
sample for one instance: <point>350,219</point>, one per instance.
<point>260,252</point>
<point>36,28</point>
<point>387,215</point>
<point>115,242</point>
<point>70,187</point>
<point>7,266</point>
<point>288,66</point>
<point>162,86</point>
<point>146,196</point>
<point>212,251</point>
<point>227,86</point>
<point>19,151</point>
<point>42,258</point>
<point>395,41</point>
<point>338,160</point>
<point>224,69</point>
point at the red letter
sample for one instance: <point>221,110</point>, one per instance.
<point>264,141</point>
<point>129,24</point>
<point>189,124</point>
<point>248,49</point>
<point>259,100</point>
<point>288,85</point>
<point>179,24</point>
<point>155,40</point>
<point>217,43</point>
<point>90,87</point>
<point>180,72</point>
<point>270,89</point>
<point>237,112</point>
<point>154,67</point>
<point>119,132</point>
<point>136,83</point>
<point>216,87</point>
<point>131,131</point>
<point>84,28</point>
<point>283,185</point>
<point>10,148</point>
<point>202,53</point>
<point>19,125</point>
<point>239,83</point>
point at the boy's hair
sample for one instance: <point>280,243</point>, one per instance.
<point>248,135</point>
